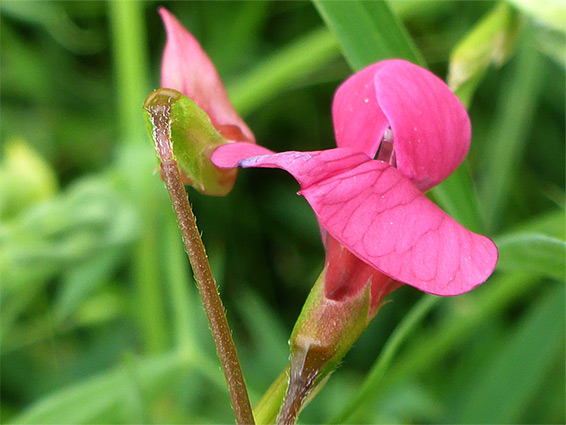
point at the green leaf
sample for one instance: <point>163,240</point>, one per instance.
<point>88,401</point>
<point>25,179</point>
<point>129,41</point>
<point>508,136</point>
<point>431,346</point>
<point>80,282</point>
<point>458,197</point>
<point>553,44</point>
<point>265,330</point>
<point>266,80</point>
<point>382,363</point>
<point>368,32</point>
<point>550,223</point>
<point>502,389</point>
<point>193,138</point>
<point>53,17</point>
<point>532,252</point>
<point>178,282</point>
<point>57,235</point>
<point>107,397</point>
<point>550,13</point>
<point>491,41</point>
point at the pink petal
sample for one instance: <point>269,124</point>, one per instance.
<point>187,69</point>
<point>231,154</point>
<point>431,128</point>
<point>308,168</point>
<point>376,212</point>
<point>359,122</point>
<point>346,275</point>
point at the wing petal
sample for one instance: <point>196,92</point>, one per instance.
<point>308,168</point>
<point>376,212</point>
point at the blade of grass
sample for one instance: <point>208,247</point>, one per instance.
<point>368,32</point>
<point>458,197</point>
<point>178,280</point>
<point>512,120</point>
<point>53,17</point>
<point>131,63</point>
<point>547,13</point>
<point>131,70</point>
<point>532,252</point>
<point>490,41</point>
<point>375,375</point>
<point>103,395</point>
<point>432,346</point>
<point>481,306</point>
<point>550,223</point>
<point>88,400</point>
<point>149,294</point>
<point>298,60</point>
<point>505,386</point>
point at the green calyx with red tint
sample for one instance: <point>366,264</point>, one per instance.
<point>193,138</point>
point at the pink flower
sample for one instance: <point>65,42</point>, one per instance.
<point>375,208</point>
<point>200,116</point>
<point>187,69</point>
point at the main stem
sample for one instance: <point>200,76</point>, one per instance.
<point>201,268</point>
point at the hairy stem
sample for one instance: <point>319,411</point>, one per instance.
<point>201,268</point>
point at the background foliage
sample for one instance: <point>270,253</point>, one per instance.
<point>100,320</point>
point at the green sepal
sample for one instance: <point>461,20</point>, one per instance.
<point>491,41</point>
<point>324,332</point>
<point>194,139</point>
<point>331,327</point>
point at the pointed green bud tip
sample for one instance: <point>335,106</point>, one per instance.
<point>491,41</point>
<point>174,120</point>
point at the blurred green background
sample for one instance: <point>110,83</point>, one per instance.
<point>100,319</point>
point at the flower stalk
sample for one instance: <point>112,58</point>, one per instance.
<point>159,108</point>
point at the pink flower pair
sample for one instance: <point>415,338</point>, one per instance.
<point>399,132</point>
